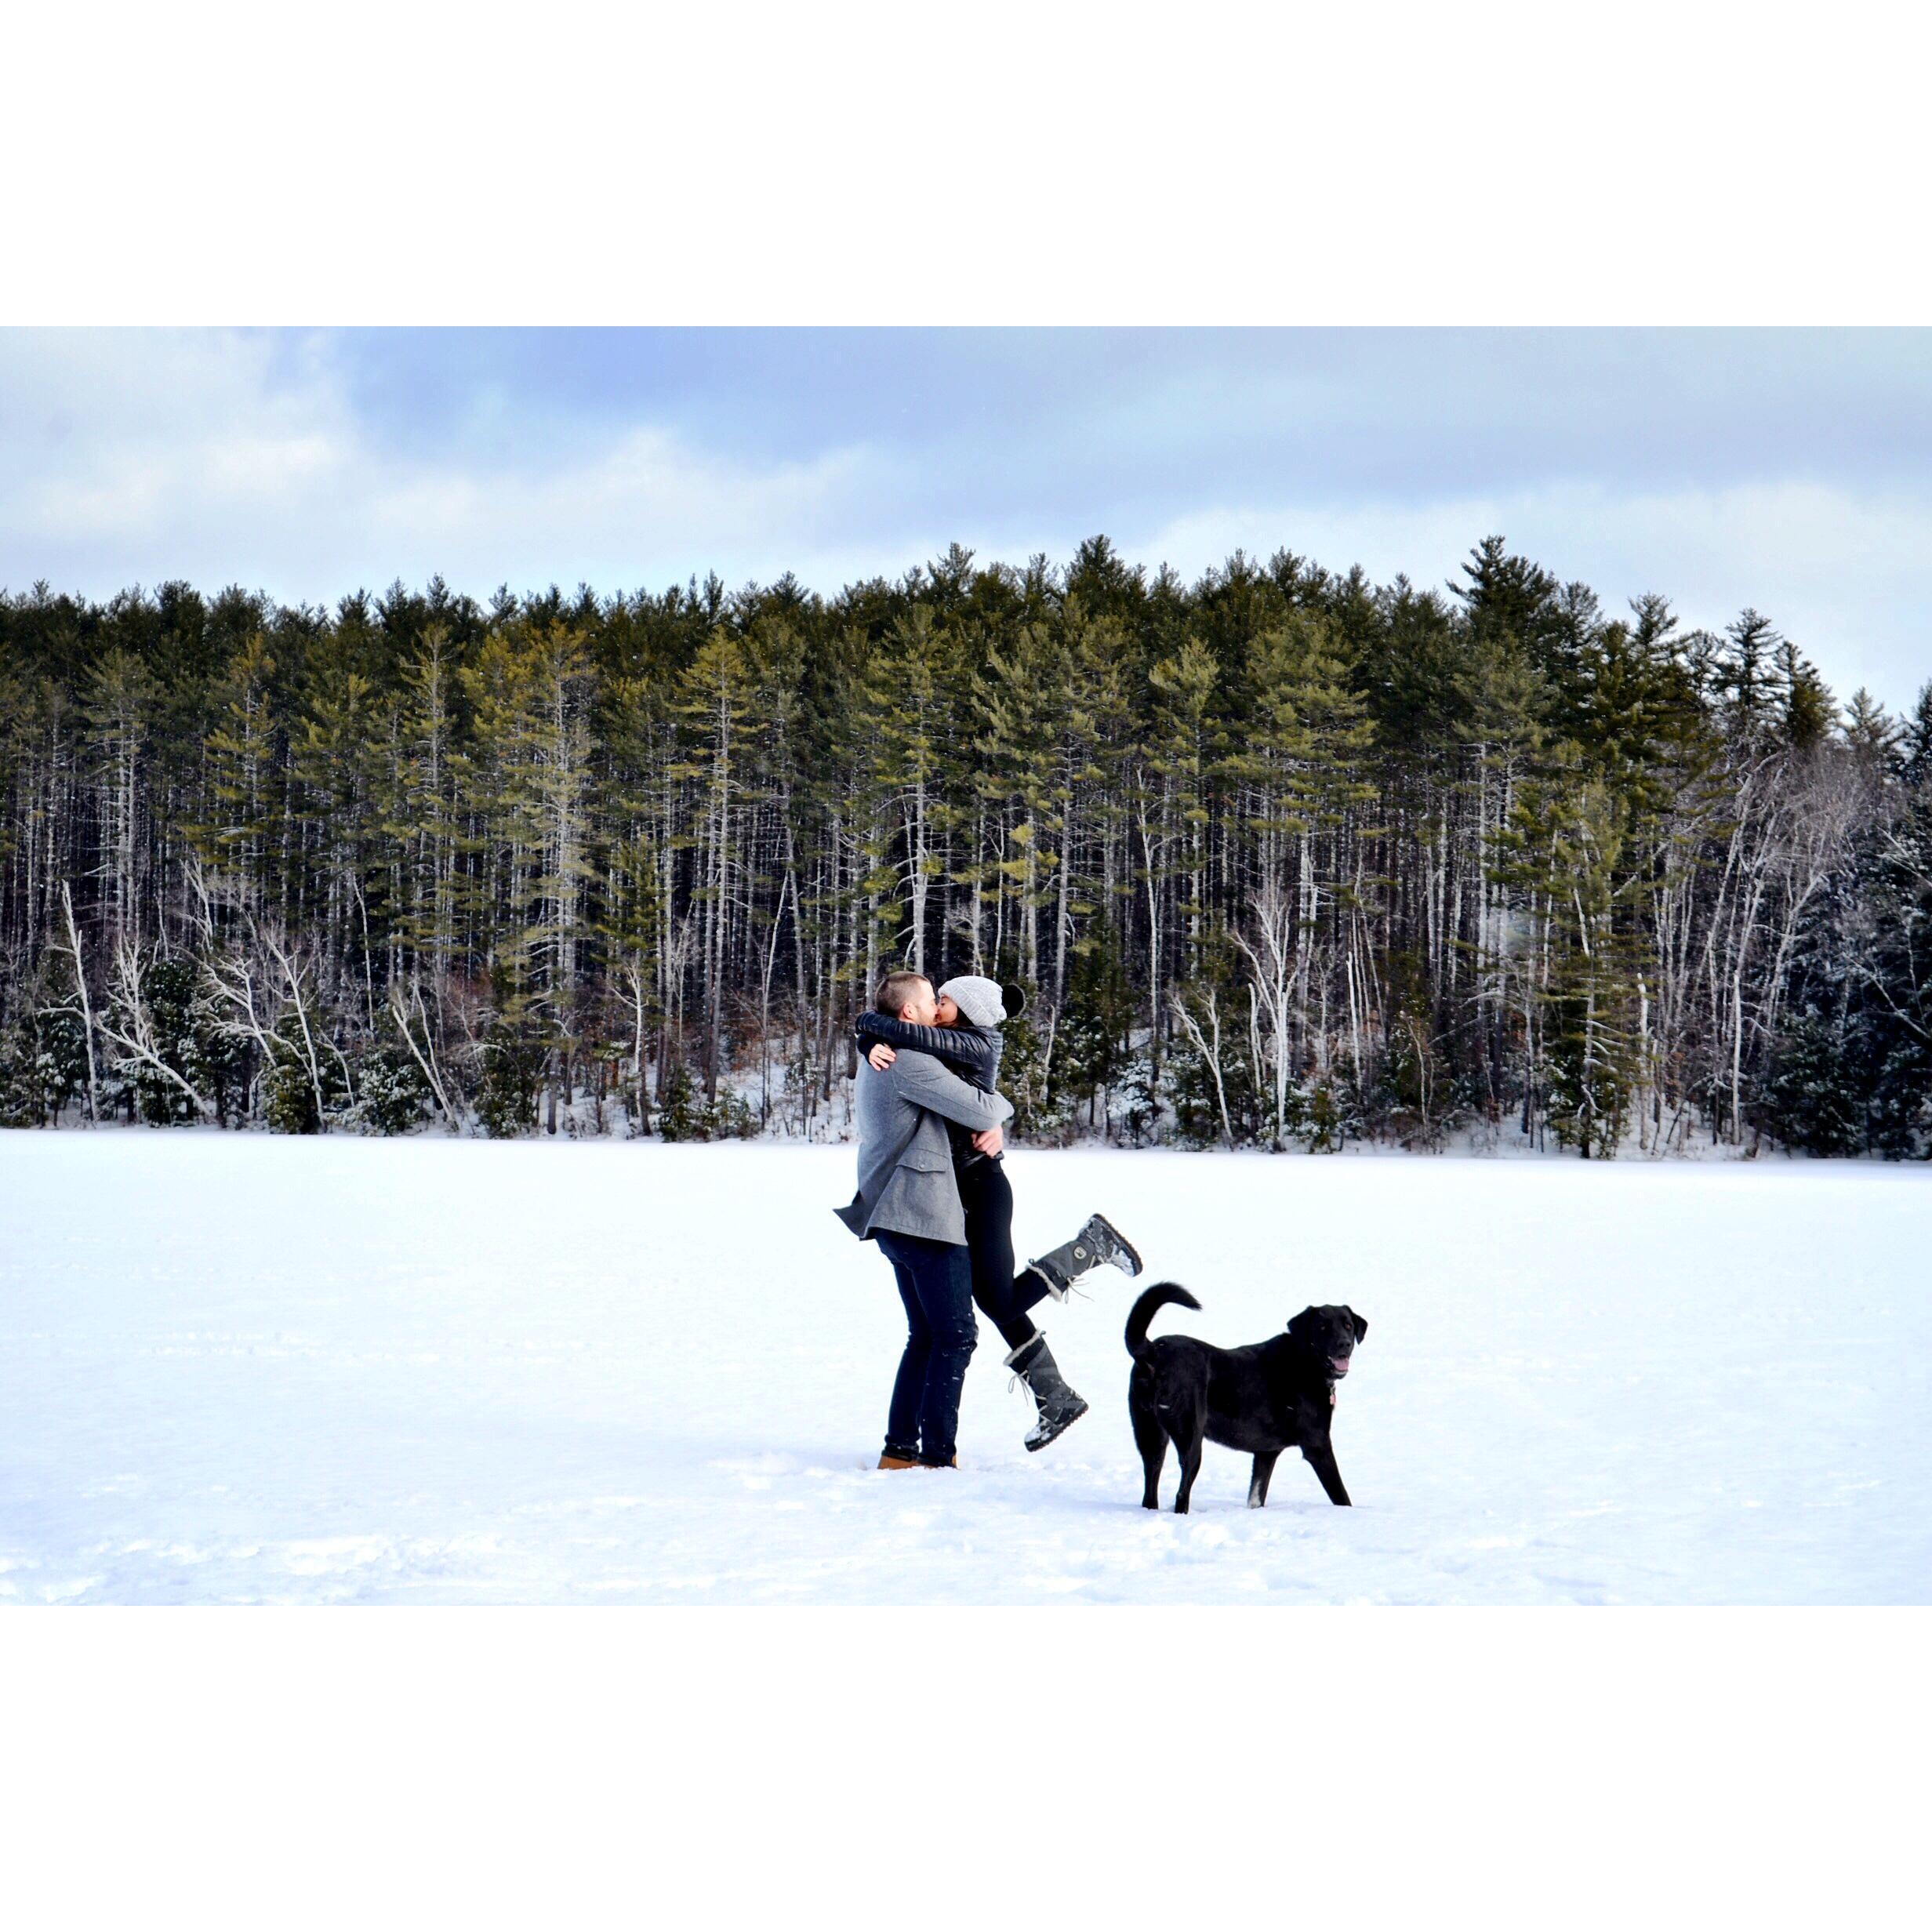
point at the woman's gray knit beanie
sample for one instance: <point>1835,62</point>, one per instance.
<point>981,1001</point>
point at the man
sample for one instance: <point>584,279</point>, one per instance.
<point>908,1201</point>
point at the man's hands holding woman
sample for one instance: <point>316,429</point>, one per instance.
<point>990,1141</point>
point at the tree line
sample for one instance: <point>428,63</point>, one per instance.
<point>1283,856</point>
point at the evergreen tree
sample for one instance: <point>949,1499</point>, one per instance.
<point>715,706</point>
<point>120,701</point>
<point>1872,734</point>
<point>243,767</point>
<point>1562,852</point>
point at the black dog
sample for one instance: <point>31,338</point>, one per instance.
<point>1272,1396</point>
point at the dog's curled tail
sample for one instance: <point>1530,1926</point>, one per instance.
<point>1149,1305</point>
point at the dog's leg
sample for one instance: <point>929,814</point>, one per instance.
<point>1151,1440</point>
<point>1321,1459</point>
<point>1257,1483</point>
<point>1190,1467</point>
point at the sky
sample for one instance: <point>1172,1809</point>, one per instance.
<point>1790,469</point>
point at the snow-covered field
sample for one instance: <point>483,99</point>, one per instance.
<point>241,1369</point>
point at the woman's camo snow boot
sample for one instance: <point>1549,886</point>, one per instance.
<point>1059,1407</point>
<point>1096,1244</point>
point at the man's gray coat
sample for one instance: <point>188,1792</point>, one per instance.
<point>905,1180</point>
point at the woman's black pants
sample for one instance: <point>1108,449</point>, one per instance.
<point>987,1196</point>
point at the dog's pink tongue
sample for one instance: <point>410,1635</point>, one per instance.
<point>1339,1363</point>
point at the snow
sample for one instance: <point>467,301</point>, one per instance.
<point>236,1368</point>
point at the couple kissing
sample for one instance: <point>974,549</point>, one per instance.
<point>933,1192</point>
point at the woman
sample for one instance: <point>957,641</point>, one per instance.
<point>970,1012</point>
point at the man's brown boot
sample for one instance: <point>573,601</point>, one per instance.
<point>889,1461</point>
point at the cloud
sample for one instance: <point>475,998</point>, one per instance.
<point>210,457</point>
<point>308,465</point>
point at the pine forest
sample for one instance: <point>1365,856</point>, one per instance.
<point>1283,858</point>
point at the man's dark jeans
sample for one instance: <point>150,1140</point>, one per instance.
<point>936,1282</point>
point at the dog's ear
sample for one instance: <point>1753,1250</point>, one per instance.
<point>1361,1326</point>
<point>1302,1325</point>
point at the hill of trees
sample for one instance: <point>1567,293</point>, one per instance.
<point>1283,856</point>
